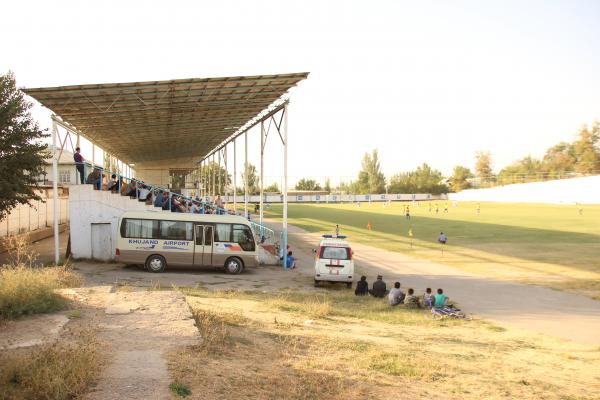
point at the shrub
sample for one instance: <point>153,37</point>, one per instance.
<point>26,291</point>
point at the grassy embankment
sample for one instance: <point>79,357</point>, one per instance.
<point>552,245</point>
<point>296,345</point>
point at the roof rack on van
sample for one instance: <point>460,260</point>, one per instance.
<point>334,236</point>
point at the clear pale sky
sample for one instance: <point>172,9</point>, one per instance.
<point>422,81</point>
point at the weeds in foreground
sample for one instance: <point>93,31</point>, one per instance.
<point>26,290</point>
<point>61,370</point>
<point>212,330</point>
<point>19,250</point>
<point>180,389</point>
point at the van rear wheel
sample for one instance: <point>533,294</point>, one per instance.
<point>349,285</point>
<point>234,266</point>
<point>156,263</point>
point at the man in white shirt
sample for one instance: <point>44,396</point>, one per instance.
<point>396,295</point>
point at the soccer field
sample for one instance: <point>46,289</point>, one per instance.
<point>545,244</point>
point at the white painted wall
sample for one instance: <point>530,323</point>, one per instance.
<point>333,198</point>
<point>584,190</point>
<point>88,206</point>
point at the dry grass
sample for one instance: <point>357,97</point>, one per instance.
<point>25,290</point>
<point>19,250</point>
<point>61,370</point>
<point>361,348</point>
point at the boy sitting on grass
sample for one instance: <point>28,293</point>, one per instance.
<point>441,299</point>
<point>428,298</point>
<point>411,301</point>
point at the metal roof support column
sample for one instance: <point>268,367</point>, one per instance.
<point>55,192</point>
<point>246,174</point>
<point>262,171</point>
<point>200,178</point>
<point>93,156</point>
<point>214,181</point>
<point>225,184</point>
<point>234,177</point>
<point>285,184</point>
<point>219,186</point>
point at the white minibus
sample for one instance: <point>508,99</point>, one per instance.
<point>158,239</point>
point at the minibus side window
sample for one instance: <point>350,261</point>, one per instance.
<point>176,230</point>
<point>139,228</point>
<point>242,235</point>
<point>222,232</point>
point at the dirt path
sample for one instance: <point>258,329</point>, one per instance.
<point>139,328</point>
<point>560,314</point>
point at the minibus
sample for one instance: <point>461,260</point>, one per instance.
<point>159,239</point>
<point>333,261</point>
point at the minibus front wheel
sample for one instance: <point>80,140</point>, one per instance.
<point>156,263</point>
<point>234,266</point>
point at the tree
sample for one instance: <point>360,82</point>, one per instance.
<point>422,180</point>
<point>212,171</point>
<point>272,188</point>
<point>459,177</point>
<point>22,152</point>
<point>327,186</point>
<point>483,166</point>
<point>249,175</point>
<point>559,159</point>
<point>307,184</point>
<point>586,149</point>
<point>370,179</point>
<point>524,170</point>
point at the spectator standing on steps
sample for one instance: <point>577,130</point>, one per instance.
<point>79,166</point>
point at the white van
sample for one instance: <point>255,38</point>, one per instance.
<point>158,239</point>
<point>333,261</point>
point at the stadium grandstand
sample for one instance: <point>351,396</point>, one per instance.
<point>153,130</point>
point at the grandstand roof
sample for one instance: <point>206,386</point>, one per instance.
<point>161,120</point>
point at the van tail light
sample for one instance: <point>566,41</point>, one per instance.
<point>351,253</point>
<point>319,250</point>
<point>118,252</point>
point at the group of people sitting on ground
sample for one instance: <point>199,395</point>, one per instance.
<point>396,296</point>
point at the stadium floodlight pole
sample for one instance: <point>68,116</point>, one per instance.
<point>55,191</point>
<point>234,177</point>
<point>262,171</point>
<point>285,184</point>
<point>246,174</point>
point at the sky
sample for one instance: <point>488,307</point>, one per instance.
<point>421,81</point>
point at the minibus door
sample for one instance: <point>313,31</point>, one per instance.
<point>203,245</point>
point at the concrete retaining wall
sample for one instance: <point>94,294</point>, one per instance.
<point>584,190</point>
<point>88,206</point>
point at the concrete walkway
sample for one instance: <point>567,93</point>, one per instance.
<point>560,314</point>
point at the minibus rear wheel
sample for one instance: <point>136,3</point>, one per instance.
<point>234,266</point>
<point>156,263</point>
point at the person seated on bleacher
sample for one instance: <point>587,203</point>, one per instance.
<point>428,298</point>
<point>379,288</point>
<point>441,299</point>
<point>95,178</point>
<point>143,192</point>
<point>166,204</point>
<point>158,199</point>
<point>411,301</point>
<point>195,208</point>
<point>130,190</point>
<point>114,185</point>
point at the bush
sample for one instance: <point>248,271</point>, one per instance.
<point>26,291</point>
<point>60,370</point>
